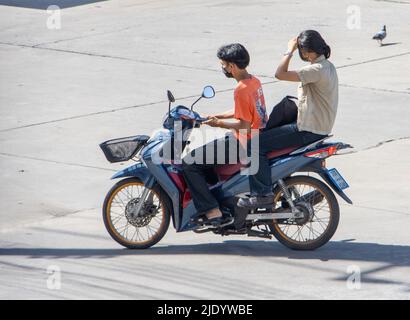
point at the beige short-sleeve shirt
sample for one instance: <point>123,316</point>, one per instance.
<point>318,96</point>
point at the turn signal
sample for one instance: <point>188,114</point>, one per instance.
<point>322,153</point>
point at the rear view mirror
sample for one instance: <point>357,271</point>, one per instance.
<point>170,96</point>
<point>208,92</point>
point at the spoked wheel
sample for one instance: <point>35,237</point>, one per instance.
<point>124,225</point>
<point>320,214</point>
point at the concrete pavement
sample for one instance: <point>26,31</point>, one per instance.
<point>104,75</point>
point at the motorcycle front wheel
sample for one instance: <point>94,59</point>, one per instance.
<point>321,214</point>
<point>124,226</point>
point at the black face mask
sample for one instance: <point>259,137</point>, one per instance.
<point>226,73</point>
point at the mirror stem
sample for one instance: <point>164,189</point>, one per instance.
<point>195,102</point>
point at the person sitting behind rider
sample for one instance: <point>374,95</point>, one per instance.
<point>317,106</point>
<point>249,112</point>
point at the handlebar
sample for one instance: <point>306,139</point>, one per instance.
<point>200,120</point>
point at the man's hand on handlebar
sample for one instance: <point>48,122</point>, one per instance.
<point>212,121</point>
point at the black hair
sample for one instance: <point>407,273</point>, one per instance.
<point>234,53</point>
<point>312,41</point>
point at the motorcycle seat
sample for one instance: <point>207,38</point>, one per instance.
<point>281,152</point>
<point>228,170</point>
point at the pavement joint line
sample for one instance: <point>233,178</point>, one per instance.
<point>394,1</point>
<point>386,141</point>
<point>164,101</point>
<point>107,56</point>
<point>373,89</point>
<point>38,46</point>
<point>373,60</point>
<point>82,37</point>
<point>377,209</point>
<point>377,145</point>
<point>56,162</point>
<point>176,65</point>
<point>152,103</point>
<point>82,116</point>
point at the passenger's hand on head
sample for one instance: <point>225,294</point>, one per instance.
<point>212,121</point>
<point>293,44</point>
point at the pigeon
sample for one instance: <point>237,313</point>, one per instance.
<point>379,36</point>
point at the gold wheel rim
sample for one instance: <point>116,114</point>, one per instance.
<point>321,221</point>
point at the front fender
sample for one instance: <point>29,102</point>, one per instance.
<point>138,170</point>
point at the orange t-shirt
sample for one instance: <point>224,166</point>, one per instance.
<point>250,104</point>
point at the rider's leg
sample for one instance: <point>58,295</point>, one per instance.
<point>208,156</point>
<point>202,197</point>
<point>274,139</point>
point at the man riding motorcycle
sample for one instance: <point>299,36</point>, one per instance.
<point>248,113</point>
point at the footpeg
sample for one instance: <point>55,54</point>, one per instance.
<point>260,234</point>
<point>205,228</point>
<point>230,221</point>
<point>202,226</point>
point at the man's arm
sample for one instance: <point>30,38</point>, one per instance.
<point>239,114</point>
<point>237,124</point>
<point>282,72</point>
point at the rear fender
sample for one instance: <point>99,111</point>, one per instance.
<point>316,166</point>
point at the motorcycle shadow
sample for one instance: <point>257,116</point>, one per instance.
<point>395,255</point>
<point>399,255</point>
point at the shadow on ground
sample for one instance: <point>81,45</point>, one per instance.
<point>387,256</point>
<point>44,4</point>
<point>397,255</point>
<point>390,44</point>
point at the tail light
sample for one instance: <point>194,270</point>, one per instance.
<point>322,153</point>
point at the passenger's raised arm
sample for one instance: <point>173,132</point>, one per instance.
<point>282,72</point>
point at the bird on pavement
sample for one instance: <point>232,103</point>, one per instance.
<point>379,36</point>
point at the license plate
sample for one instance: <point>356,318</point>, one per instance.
<point>337,178</point>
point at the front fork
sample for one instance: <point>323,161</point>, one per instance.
<point>146,196</point>
<point>141,201</point>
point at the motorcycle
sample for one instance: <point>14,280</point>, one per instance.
<point>138,209</point>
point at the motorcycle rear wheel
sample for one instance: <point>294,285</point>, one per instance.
<point>304,236</point>
<point>135,232</point>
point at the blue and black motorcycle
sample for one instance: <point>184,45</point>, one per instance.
<point>138,209</point>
